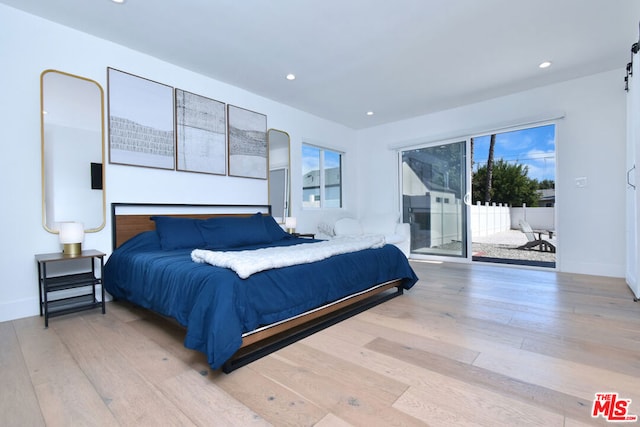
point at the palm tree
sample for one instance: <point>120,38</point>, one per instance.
<point>489,183</point>
<point>471,161</point>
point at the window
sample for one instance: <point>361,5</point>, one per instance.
<point>515,167</point>
<point>321,178</point>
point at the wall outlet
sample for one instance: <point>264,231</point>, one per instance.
<point>581,182</point>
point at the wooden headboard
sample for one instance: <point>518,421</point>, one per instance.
<point>129,219</point>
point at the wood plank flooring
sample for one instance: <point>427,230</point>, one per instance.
<point>468,345</point>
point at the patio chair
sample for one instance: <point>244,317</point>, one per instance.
<point>532,241</point>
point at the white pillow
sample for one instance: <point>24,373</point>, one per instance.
<point>326,229</point>
<point>380,223</point>
<point>347,227</point>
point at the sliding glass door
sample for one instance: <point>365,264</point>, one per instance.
<point>434,197</point>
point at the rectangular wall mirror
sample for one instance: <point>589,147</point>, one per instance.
<point>72,119</point>
<point>279,162</point>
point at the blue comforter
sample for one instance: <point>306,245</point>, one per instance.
<point>216,306</point>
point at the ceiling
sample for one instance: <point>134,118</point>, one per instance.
<point>399,59</point>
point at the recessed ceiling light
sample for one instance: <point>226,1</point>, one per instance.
<point>291,76</point>
<point>369,113</point>
<point>118,1</point>
<point>545,64</point>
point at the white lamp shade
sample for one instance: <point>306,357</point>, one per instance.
<point>290,222</point>
<point>71,232</point>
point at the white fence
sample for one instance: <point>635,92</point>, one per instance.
<point>538,218</point>
<point>491,219</point>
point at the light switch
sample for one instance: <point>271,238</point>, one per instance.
<point>581,182</point>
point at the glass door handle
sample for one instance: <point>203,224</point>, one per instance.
<point>628,176</point>
<point>467,199</point>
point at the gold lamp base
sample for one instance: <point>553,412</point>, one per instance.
<point>291,230</point>
<point>72,248</point>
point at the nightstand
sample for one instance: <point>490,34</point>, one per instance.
<point>84,281</point>
<point>304,235</point>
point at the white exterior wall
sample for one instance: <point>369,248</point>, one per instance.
<point>590,142</point>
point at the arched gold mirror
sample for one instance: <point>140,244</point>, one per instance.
<point>279,162</point>
<point>72,118</point>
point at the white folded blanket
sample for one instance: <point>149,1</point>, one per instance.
<point>245,263</point>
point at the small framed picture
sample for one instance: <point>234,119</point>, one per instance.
<point>141,121</point>
<point>201,134</point>
<point>247,135</point>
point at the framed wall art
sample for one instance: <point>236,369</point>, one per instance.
<point>201,134</point>
<point>141,121</point>
<point>247,135</point>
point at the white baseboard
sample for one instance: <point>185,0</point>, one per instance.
<point>19,309</point>
<point>593,269</point>
<point>28,307</point>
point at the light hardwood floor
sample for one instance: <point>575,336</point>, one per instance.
<point>468,345</point>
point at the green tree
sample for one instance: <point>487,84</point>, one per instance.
<point>511,185</point>
<point>546,184</point>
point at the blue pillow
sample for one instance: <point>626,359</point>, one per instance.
<point>178,233</point>
<point>234,231</point>
<point>273,228</point>
<point>147,240</point>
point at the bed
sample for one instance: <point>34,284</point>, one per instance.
<point>234,320</point>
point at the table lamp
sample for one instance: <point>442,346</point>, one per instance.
<point>290,224</point>
<point>71,235</point>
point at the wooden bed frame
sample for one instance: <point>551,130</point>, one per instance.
<point>129,219</point>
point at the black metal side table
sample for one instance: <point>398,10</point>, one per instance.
<point>84,281</point>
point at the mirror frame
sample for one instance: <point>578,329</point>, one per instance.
<point>42,150</point>
<point>287,209</point>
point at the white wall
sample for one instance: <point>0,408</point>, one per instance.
<point>590,142</point>
<point>30,45</point>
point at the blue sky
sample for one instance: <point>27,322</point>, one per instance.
<point>311,159</point>
<point>533,147</point>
